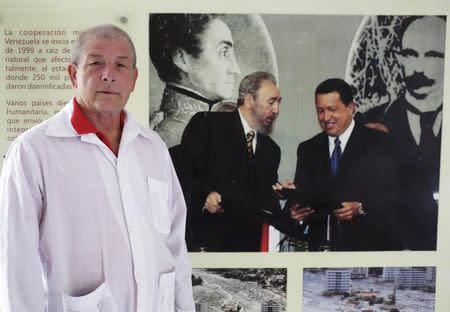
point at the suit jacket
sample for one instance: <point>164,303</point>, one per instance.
<point>420,178</point>
<point>367,174</point>
<point>215,158</point>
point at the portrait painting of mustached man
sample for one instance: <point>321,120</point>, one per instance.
<point>397,70</point>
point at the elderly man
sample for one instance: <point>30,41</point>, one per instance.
<point>87,222</point>
<point>194,56</point>
<point>232,163</point>
<point>414,122</point>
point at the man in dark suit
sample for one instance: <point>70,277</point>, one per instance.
<point>346,179</point>
<point>231,164</point>
<point>414,122</point>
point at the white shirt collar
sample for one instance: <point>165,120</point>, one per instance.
<point>59,125</point>
<point>344,137</point>
<point>414,125</point>
<point>247,128</point>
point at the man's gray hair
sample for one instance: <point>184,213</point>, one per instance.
<point>251,83</point>
<point>107,31</point>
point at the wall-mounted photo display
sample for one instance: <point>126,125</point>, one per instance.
<point>358,289</point>
<point>307,141</point>
<point>234,290</point>
<point>356,140</point>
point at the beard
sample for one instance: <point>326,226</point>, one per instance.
<point>263,123</point>
<point>265,129</point>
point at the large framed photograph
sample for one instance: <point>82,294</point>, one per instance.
<point>389,166</point>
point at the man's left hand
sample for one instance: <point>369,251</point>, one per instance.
<point>348,211</point>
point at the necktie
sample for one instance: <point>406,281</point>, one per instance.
<point>427,138</point>
<point>335,156</point>
<point>428,144</point>
<point>249,137</point>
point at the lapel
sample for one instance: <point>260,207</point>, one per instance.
<point>354,150</point>
<point>404,133</point>
<point>238,142</point>
<point>405,128</point>
<point>324,152</point>
<point>260,150</point>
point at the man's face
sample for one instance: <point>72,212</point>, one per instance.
<point>422,58</point>
<point>214,71</point>
<point>334,116</point>
<point>105,76</point>
<point>265,106</point>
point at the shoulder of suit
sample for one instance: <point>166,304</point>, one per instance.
<point>212,120</point>
<point>214,115</point>
<point>375,139</point>
<point>312,143</point>
<point>395,114</point>
<point>315,139</point>
<point>269,140</point>
<point>370,132</point>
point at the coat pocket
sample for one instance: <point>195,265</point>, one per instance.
<point>100,300</point>
<point>159,196</point>
<point>166,293</point>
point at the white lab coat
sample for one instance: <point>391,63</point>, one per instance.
<point>105,232</point>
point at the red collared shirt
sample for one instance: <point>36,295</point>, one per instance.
<point>82,125</point>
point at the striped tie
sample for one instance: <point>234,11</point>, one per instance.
<point>249,137</point>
